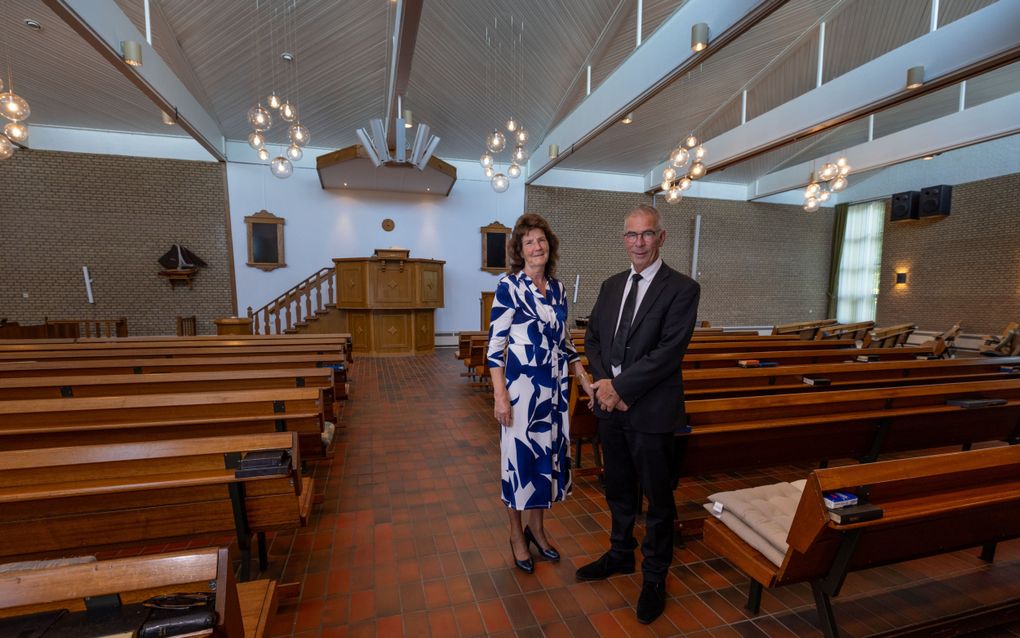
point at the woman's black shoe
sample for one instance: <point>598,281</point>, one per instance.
<point>550,554</point>
<point>527,565</point>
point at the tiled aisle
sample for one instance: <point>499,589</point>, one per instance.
<point>410,539</point>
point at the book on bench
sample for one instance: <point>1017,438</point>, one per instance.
<point>976,403</point>
<point>867,358</point>
<point>855,514</point>
<point>748,363</point>
<point>836,500</point>
<point>816,380</point>
<point>263,463</point>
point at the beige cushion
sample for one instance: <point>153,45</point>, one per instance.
<point>760,516</point>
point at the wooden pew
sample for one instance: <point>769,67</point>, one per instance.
<point>162,365</point>
<point>891,337</point>
<point>584,427</point>
<point>41,423</point>
<point>931,505</point>
<point>758,431</point>
<point>697,361</point>
<point>176,382</point>
<point>1001,345</point>
<point>83,352</point>
<point>717,383</point>
<point>852,331</point>
<point>754,345</point>
<point>342,339</point>
<point>75,498</point>
<point>243,609</point>
<point>804,329</point>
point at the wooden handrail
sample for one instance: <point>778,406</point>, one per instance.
<point>278,316</point>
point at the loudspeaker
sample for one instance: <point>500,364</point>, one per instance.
<point>934,200</point>
<point>904,206</point>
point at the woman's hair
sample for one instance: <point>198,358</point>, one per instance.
<point>515,243</point>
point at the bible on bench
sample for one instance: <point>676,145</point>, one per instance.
<point>855,514</point>
<point>263,463</point>
<point>976,403</point>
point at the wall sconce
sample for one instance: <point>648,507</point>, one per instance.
<point>554,151</point>
<point>901,279</point>
<point>915,77</point>
<point>699,37</point>
<point>131,52</point>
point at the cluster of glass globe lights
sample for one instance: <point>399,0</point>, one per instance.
<point>261,120</point>
<point>495,142</point>
<point>830,178</point>
<point>14,108</point>
<point>673,183</point>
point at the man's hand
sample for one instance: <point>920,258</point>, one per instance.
<point>607,397</point>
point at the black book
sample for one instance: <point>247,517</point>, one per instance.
<point>816,380</point>
<point>855,514</point>
<point>976,403</point>
<point>866,358</point>
<point>269,470</point>
<point>29,625</point>
<point>265,458</point>
<point>165,623</point>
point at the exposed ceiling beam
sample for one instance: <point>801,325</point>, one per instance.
<point>977,124</point>
<point>103,25</point>
<point>613,26</point>
<point>662,58</point>
<point>405,34</point>
<point>981,41</point>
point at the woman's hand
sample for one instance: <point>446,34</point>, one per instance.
<point>502,410</point>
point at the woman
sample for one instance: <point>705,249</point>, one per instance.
<point>530,384</point>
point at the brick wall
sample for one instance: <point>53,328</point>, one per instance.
<point>964,267</point>
<point>116,215</point>
<point>758,263</point>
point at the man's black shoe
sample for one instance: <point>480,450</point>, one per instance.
<point>605,567</point>
<point>651,602</point>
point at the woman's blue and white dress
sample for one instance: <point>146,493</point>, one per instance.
<point>535,450</point>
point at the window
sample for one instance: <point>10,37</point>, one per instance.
<point>265,240</point>
<point>860,262</point>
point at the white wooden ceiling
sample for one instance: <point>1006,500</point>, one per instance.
<point>227,53</point>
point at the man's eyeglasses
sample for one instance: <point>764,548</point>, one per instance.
<point>647,235</point>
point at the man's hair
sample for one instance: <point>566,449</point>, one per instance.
<point>515,243</point>
<point>645,209</point>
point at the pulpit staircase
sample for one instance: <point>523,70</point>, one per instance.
<point>300,308</point>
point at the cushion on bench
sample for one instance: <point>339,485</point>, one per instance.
<point>760,516</point>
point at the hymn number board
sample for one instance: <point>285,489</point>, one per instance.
<point>265,240</point>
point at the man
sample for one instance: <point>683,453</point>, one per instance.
<point>638,332</point>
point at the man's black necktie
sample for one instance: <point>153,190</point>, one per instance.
<point>620,339</point>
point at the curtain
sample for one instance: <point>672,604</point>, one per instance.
<point>838,233</point>
<point>860,261</point>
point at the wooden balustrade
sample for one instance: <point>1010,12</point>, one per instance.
<point>295,306</point>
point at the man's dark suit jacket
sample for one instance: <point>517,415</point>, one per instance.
<point>650,382</point>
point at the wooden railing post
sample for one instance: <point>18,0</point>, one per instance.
<point>296,297</point>
<point>308,300</point>
<point>287,310</point>
<point>332,299</point>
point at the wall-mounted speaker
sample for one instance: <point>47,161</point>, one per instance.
<point>934,201</point>
<point>904,206</point>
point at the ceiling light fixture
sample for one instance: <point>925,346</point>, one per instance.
<point>915,77</point>
<point>678,177</point>
<point>131,52</point>
<point>699,37</point>
<point>831,178</point>
<point>408,119</point>
<point>517,135</point>
<point>628,118</point>
<point>15,108</point>
<point>259,117</point>
<point>33,24</point>
<point>167,118</point>
<point>554,151</point>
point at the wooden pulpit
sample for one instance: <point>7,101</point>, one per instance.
<point>387,301</point>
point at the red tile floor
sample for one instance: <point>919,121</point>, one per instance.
<point>410,539</point>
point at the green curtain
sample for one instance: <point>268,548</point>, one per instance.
<point>838,232</point>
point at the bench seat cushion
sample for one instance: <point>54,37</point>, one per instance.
<point>760,516</point>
